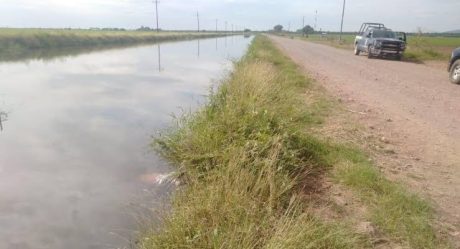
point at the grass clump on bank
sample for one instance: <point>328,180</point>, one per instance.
<point>248,158</point>
<point>243,158</point>
<point>400,215</point>
<point>24,43</point>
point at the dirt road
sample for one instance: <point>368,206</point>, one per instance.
<point>412,106</point>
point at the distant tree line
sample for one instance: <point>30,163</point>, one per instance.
<point>145,28</point>
<point>305,30</point>
<point>109,29</point>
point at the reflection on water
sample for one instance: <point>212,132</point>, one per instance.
<point>75,155</point>
<point>54,54</point>
<point>57,53</point>
<point>159,57</point>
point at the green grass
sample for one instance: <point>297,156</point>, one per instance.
<point>422,48</point>
<point>243,158</point>
<point>401,215</point>
<point>16,44</point>
<point>246,158</point>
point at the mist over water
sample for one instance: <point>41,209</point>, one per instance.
<point>76,134</point>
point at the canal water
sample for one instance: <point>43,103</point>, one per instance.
<point>75,138</point>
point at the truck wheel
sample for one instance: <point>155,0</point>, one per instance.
<point>369,52</point>
<point>454,75</point>
<point>357,49</point>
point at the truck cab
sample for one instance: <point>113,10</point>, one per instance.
<point>378,41</point>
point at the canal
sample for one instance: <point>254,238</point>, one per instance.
<point>75,138</point>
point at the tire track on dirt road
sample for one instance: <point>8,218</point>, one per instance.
<point>412,105</point>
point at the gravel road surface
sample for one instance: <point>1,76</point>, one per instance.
<point>414,106</point>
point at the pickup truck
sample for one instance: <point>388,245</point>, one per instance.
<point>454,67</point>
<point>378,41</point>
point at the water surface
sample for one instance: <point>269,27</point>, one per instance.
<point>75,138</point>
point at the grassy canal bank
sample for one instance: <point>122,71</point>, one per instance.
<point>254,169</point>
<point>17,44</point>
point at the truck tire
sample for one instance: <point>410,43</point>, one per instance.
<point>454,74</point>
<point>369,52</point>
<point>357,51</point>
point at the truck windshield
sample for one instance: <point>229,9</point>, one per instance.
<point>384,34</point>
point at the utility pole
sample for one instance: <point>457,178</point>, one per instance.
<point>289,27</point>
<point>303,26</point>
<point>225,26</point>
<point>217,21</point>
<point>341,25</point>
<point>198,20</point>
<point>316,19</point>
<point>156,9</point>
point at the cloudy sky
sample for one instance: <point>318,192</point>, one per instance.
<point>405,15</point>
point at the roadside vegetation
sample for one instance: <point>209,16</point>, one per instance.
<point>419,47</point>
<point>36,43</point>
<point>422,48</point>
<point>251,161</point>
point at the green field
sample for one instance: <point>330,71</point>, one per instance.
<point>17,44</point>
<point>419,48</point>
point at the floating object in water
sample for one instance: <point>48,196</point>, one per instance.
<point>160,179</point>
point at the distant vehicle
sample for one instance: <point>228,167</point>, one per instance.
<point>378,41</point>
<point>454,67</point>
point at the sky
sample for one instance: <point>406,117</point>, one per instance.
<point>402,15</point>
